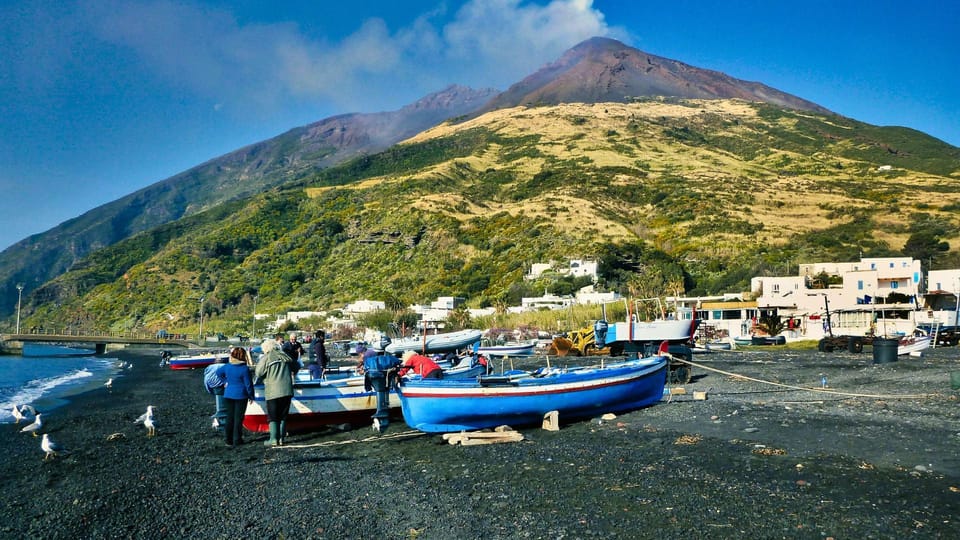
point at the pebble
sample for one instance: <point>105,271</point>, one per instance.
<point>752,430</point>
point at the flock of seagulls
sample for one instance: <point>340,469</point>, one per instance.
<point>50,447</point>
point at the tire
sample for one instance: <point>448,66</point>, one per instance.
<point>855,345</point>
<point>680,374</point>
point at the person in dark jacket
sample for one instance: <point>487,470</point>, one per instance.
<point>294,349</point>
<point>320,351</point>
<point>237,393</point>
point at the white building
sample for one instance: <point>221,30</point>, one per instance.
<point>857,305</point>
<point>547,301</point>
<point>574,267</point>
<point>364,306</point>
<point>587,295</point>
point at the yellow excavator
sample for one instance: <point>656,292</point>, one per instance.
<point>577,343</point>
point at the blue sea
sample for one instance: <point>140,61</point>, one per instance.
<point>47,375</point>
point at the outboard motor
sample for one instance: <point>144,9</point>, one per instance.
<point>379,374</point>
<point>600,333</point>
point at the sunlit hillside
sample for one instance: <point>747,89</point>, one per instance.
<point>672,196</point>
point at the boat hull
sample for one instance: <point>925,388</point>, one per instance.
<point>322,403</point>
<point>437,343</point>
<point>194,362</point>
<point>513,351</point>
<point>913,345</point>
<point>436,406</point>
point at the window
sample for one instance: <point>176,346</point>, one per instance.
<point>894,284</point>
<point>860,285</point>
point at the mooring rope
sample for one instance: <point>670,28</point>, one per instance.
<point>372,438</point>
<point>805,388</point>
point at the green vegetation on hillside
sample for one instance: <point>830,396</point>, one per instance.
<point>672,198</point>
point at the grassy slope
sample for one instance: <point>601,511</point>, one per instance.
<point>726,188</point>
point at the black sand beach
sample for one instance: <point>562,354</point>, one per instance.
<point>750,461</point>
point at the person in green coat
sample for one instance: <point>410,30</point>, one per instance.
<point>277,371</point>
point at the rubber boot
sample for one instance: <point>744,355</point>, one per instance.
<point>282,433</point>
<point>272,441</point>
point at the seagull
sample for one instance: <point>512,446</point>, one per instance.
<point>18,411</point>
<point>51,447</point>
<point>109,383</point>
<point>151,426</point>
<point>34,427</point>
<point>145,415</point>
<point>216,423</point>
<point>148,422</point>
<point>376,425</point>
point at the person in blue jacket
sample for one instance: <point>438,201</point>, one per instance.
<point>237,393</point>
<point>215,384</point>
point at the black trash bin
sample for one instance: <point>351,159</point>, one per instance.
<point>885,350</point>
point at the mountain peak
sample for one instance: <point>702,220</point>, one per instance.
<point>605,70</point>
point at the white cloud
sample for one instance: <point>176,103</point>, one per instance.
<point>263,66</point>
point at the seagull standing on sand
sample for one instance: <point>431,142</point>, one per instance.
<point>50,447</point>
<point>147,420</point>
<point>109,383</point>
<point>34,427</point>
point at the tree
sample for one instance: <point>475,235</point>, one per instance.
<point>771,324</point>
<point>458,318</point>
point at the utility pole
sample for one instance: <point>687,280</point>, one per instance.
<point>201,320</point>
<point>19,298</point>
<point>253,326</point>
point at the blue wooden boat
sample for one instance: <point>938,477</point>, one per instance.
<point>524,397</point>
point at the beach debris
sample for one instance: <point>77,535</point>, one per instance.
<point>51,447</point>
<point>116,436</point>
<point>699,396</point>
<point>34,427</point>
<point>688,440</point>
<point>551,421</point>
<point>767,451</point>
<point>502,434</point>
<point>148,421</point>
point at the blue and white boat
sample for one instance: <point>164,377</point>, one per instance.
<point>523,397</point>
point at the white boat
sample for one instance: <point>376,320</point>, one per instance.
<point>513,350</point>
<point>434,343</point>
<point>339,398</point>
<point>195,360</point>
<point>913,345</point>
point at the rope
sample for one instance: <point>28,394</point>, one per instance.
<point>402,434</point>
<point>805,388</point>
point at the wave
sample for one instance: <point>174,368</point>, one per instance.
<point>37,388</point>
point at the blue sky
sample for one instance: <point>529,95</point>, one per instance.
<point>99,99</point>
